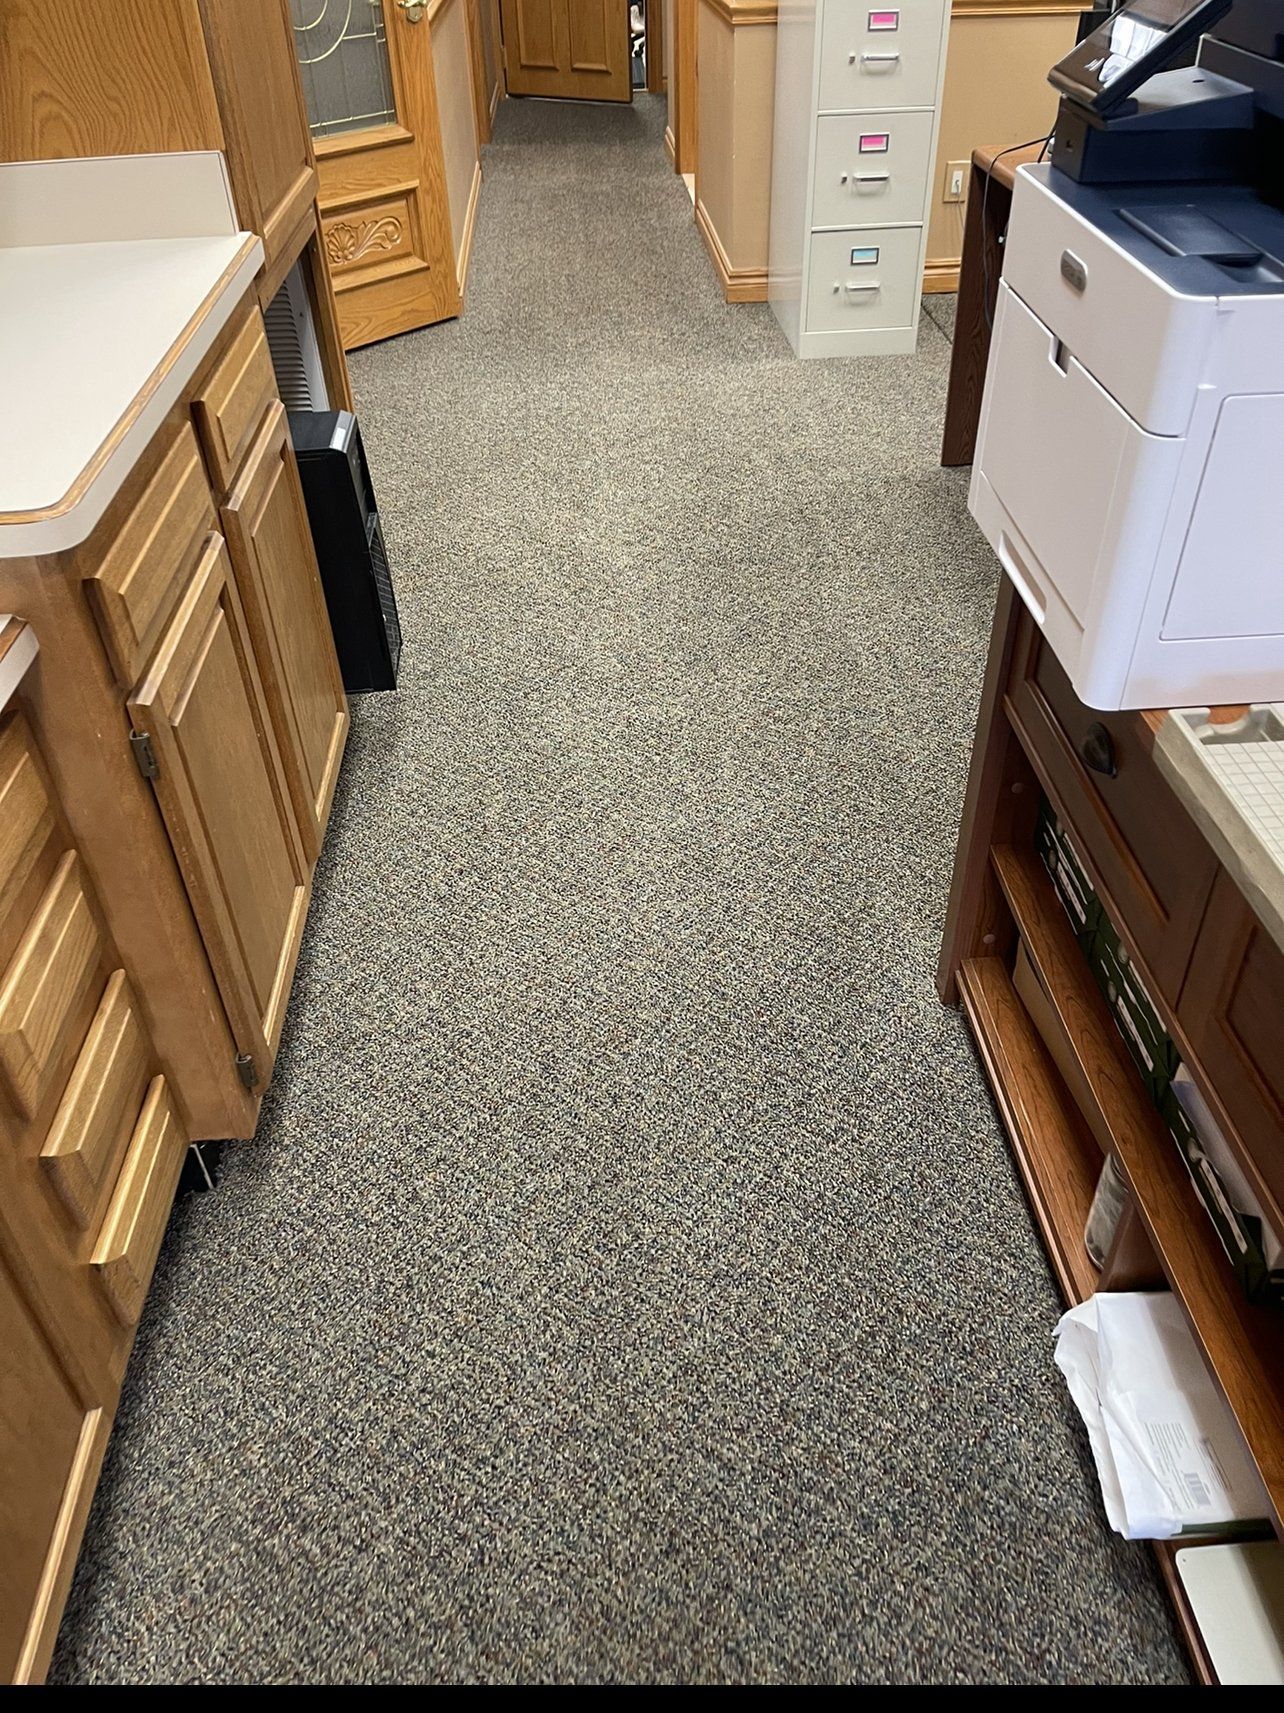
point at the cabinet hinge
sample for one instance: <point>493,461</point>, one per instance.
<point>247,1070</point>
<point>144,754</point>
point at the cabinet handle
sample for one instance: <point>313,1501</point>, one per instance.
<point>860,285</point>
<point>866,177</point>
<point>1098,750</point>
<point>875,59</point>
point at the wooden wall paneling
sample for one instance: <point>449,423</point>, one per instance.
<point>683,89</point>
<point>656,80</point>
<point>119,77</point>
<point>477,66</point>
<point>260,96</point>
<point>736,92</point>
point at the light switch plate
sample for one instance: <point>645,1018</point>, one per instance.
<point>955,181</point>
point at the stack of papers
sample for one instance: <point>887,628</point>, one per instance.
<point>1169,1453</point>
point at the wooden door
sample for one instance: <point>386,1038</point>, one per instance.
<point>269,151</point>
<point>574,50</point>
<point>222,791</point>
<point>367,69</point>
<point>280,588</point>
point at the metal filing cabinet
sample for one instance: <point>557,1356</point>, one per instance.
<point>858,95</point>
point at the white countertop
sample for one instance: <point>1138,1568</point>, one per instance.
<point>99,337</point>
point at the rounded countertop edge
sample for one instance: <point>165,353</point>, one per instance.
<point>66,523</point>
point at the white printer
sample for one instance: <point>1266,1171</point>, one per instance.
<point>1129,470</point>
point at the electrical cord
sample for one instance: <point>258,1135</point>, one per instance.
<point>985,197</point>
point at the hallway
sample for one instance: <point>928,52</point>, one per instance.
<point>501,1355</point>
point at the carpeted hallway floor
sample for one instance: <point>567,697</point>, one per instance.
<point>629,1280</point>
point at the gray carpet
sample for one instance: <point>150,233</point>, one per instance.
<point>629,1280</point>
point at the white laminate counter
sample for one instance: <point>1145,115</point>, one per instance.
<point>99,337</point>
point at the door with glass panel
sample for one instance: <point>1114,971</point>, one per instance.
<point>367,70</point>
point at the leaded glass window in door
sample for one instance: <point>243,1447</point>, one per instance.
<point>343,56</point>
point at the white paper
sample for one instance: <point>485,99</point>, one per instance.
<point>1169,1453</point>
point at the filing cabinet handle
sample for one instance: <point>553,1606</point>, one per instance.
<point>866,177</point>
<point>1098,750</point>
<point>862,285</point>
<point>875,59</point>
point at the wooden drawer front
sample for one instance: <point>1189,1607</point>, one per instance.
<point>135,585</point>
<point>90,1131</point>
<point>1232,1009</point>
<point>231,404</point>
<point>27,817</point>
<point>50,989</point>
<point>135,1223</point>
<point>1154,863</point>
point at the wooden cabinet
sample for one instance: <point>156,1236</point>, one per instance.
<point>91,1142</point>
<point>1147,852</point>
<point>221,789</point>
<point>1232,1009</point>
<point>280,586</point>
<point>265,125</point>
<point>123,77</point>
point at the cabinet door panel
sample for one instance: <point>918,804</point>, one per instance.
<point>280,587</point>
<point>41,1425</point>
<point>222,793</point>
<point>269,148</point>
<point>1155,865</point>
<point>1232,1008</point>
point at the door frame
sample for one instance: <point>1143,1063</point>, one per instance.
<point>680,136</point>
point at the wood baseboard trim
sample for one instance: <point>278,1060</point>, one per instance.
<point>670,148</point>
<point>940,276</point>
<point>470,226</point>
<point>496,96</point>
<point>739,285</point>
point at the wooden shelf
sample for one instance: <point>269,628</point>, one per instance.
<point>1242,1343</point>
<point>1056,1154</point>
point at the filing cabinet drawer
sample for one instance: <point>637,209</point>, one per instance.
<point>234,400</point>
<point>134,585</point>
<point>1155,865</point>
<point>871,167</point>
<point>1232,1009</point>
<point>863,278</point>
<point>135,1223</point>
<point>864,66</point>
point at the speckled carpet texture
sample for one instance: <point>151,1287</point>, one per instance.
<point>629,1281</point>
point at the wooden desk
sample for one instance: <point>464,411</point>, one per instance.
<point>987,219</point>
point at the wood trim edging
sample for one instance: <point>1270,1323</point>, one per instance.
<point>1014,8</point>
<point>670,147</point>
<point>470,226</point>
<point>737,12</point>
<point>941,275</point>
<point>739,285</point>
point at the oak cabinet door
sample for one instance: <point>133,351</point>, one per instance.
<point>280,588</point>
<point>268,146</point>
<point>222,791</point>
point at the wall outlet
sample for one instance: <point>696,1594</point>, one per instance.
<point>955,181</point>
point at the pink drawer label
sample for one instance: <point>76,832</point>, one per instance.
<point>884,20</point>
<point>874,142</point>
